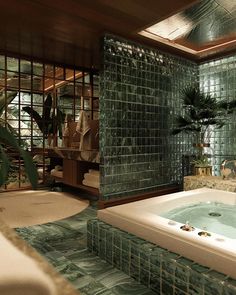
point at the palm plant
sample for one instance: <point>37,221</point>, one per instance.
<point>49,122</point>
<point>200,112</point>
<point>8,141</point>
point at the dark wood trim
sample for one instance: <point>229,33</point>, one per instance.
<point>46,61</point>
<point>163,190</point>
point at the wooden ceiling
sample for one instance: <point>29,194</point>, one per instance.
<point>69,31</point>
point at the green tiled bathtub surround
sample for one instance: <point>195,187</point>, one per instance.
<point>162,271</point>
<point>140,90</point>
<point>218,77</point>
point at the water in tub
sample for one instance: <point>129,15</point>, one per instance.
<point>215,217</point>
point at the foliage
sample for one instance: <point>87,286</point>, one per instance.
<point>8,139</point>
<point>201,111</point>
<point>202,161</point>
<point>50,121</point>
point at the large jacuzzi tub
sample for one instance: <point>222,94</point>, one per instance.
<point>143,219</point>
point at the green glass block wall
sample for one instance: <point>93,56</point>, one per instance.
<point>218,78</point>
<point>139,96</point>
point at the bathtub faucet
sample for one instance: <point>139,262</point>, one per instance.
<point>187,227</point>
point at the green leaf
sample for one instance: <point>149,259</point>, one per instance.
<point>34,115</point>
<point>30,168</point>
<point>6,100</point>
<point>7,138</point>
<point>5,166</point>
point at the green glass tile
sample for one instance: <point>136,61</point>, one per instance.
<point>155,270</point>
<point>166,288</point>
<point>168,261</point>
<point>134,268</point>
<point>229,290</point>
<point>182,285</point>
<point>102,249</point>
<point>182,272</point>
<point>117,240</point>
<point>116,257</point>
<point>231,282</point>
<point>145,264</point>
<point>193,290</point>
<point>179,292</point>
<point>156,255</point>
<point>124,91</point>
<point>184,262</point>
<point>125,266</point>
<point>155,284</point>
<point>146,250</point>
<point>167,277</point>
<point>145,277</point>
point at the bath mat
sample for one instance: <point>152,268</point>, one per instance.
<point>25,208</point>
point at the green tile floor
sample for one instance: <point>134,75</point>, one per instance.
<point>64,244</point>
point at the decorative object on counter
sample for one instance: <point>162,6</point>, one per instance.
<point>228,169</point>
<point>82,135</point>
<point>66,131</point>
<point>92,178</point>
<point>202,166</point>
<point>83,128</point>
<point>201,112</point>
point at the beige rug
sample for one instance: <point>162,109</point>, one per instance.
<point>25,208</point>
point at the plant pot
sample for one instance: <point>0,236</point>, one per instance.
<point>203,171</point>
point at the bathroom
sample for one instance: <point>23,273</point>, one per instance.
<point>139,97</point>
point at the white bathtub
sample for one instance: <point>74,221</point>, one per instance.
<point>141,218</point>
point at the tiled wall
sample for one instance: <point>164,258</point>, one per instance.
<point>139,95</point>
<point>162,271</point>
<point>218,77</point>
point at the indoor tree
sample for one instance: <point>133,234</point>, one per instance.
<point>200,112</point>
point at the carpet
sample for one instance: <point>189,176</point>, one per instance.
<point>25,208</point>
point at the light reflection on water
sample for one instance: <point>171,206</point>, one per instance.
<point>215,217</point>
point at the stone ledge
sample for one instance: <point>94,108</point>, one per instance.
<point>215,182</point>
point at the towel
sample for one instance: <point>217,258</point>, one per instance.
<point>83,129</point>
<point>94,172</point>
<point>57,173</point>
<point>94,184</point>
<point>83,123</point>
<point>20,275</point>
<point>92,177</point>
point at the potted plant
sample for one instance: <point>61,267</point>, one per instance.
<point>201,111</point>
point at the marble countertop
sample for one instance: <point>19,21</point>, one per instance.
<point>215,182</point>
<point>62,285</point>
